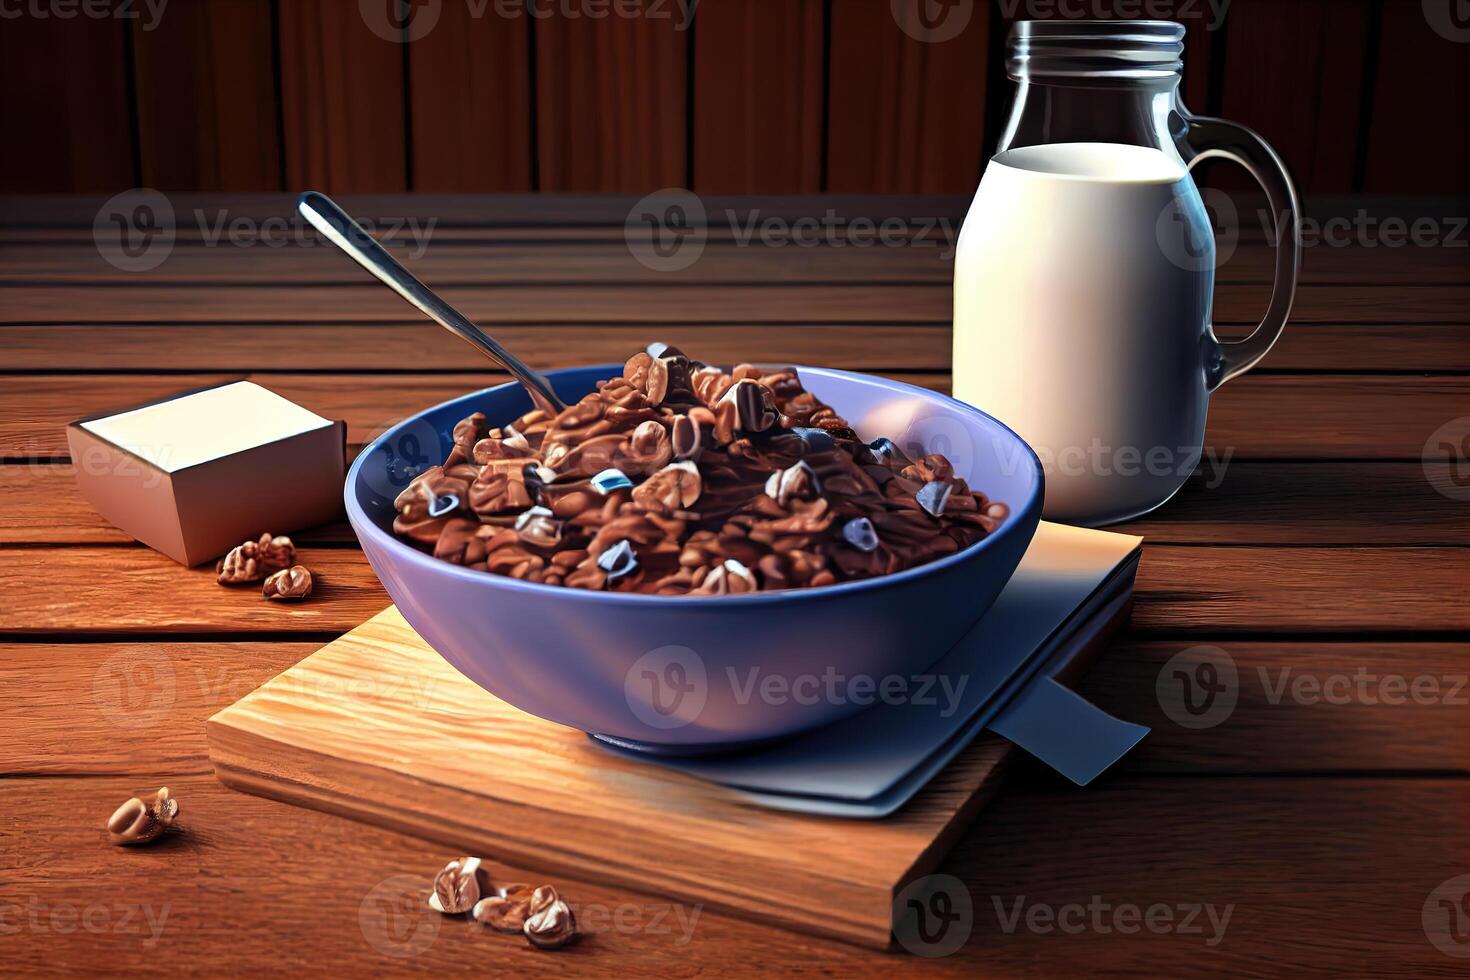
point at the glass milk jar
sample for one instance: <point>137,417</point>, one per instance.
<point>1086,264</point>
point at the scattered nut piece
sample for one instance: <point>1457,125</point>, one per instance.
<point>457,887</point>
<point>543,898</point>
<point>240,566</point>
<point>502,914</point>
<point>277,553</point>
<point>517,892</point>
<point>254,560</point>
<point>512,905</point>
<point>290,583</point>
<point>552,927</point>
<point>539,914</point>
<point>136,822</point>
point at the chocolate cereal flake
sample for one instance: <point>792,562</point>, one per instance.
<point>678,478</point>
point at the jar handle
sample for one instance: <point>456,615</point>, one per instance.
<point>1209,138</point>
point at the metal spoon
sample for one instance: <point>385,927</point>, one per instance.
<point>339,228</point>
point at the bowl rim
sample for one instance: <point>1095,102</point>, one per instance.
<point>365,526</point>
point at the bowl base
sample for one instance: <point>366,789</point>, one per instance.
<point>675,750</point>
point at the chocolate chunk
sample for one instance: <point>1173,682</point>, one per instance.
<point>933,495</point>
<point>532,477</point>
<point>755,406</point>
<point>860,533</point>
<point>681,380</point>
<point>667,381</point>
<point>540,473</point>
<point>686,438</point>
<point>618,561</point>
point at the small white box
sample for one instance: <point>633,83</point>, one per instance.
<point>195,474</point>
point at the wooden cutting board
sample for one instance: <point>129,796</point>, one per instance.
<point>377,727</point>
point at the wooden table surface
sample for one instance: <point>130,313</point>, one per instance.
<point>1328,564</point>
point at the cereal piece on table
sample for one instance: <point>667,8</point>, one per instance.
<point>136,822</point>
<point>254,560</point>
<point>552,927</point>
<point>289,584</point>
<point>457,887</point>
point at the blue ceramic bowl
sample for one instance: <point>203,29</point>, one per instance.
<point>685,673</point>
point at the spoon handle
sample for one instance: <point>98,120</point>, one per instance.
<point>339,228</point>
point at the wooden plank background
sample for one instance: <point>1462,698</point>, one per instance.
<point>1317,543</point>
<point>750,96</point>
